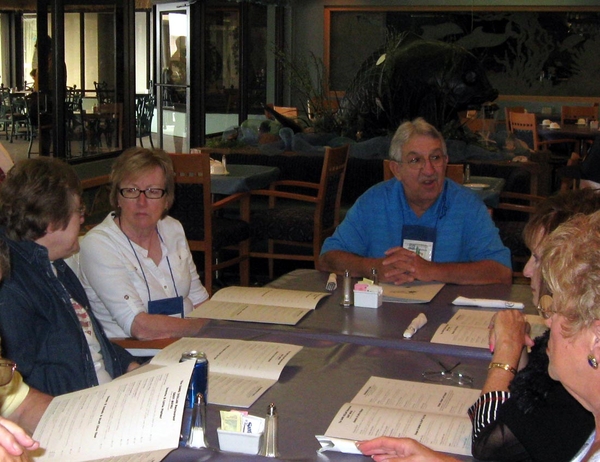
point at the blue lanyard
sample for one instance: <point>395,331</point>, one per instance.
<point>142,268</point>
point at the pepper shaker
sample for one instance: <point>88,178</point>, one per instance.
<point>348,299</point>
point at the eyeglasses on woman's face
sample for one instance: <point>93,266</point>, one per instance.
<point>546,307</point>
<point>7,369</point>
<point>150,193</point>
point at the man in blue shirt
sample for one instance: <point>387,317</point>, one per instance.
<point>420,225</point>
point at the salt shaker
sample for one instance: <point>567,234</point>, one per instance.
<point>197,438</point>
<point>467,174</point>
<point>374,276</point>
<point>348,301</point>
<point>269,445</point>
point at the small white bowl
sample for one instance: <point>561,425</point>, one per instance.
<point>554,126</point>
<point>546,122</point>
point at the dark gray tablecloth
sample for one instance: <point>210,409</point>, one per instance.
<point>385,325</point>
<point>315,384</point>
<point>243,178</point>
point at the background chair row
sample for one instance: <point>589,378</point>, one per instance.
<point>214,227</point>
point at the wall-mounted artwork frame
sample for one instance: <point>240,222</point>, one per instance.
<point>541,51</point>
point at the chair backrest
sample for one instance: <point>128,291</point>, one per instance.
<point>524,127</point>
<point>73,98</point>
<point>387,171</point>
<point>330,192</point>
<point>570,114</point>
<point>192,205</point>
<point>507,111</point>
<point>455,172</point>
<point>144,112</point>
<point>103,93</point>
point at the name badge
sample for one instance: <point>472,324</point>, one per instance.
<point>420,240</point>
<point>168,306</point>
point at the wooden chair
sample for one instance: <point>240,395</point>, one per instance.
<point>455,172</point>
<point>293,222</point>
<point>524,127</point>
<point>571,114</point>
<point>472,121</point>
<point>517,208</point>
<point>387,171</point>
<point>507,111</point>
<point>207,231</point>
<point>96,197</point>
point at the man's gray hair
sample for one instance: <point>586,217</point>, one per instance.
<point>409,129</point>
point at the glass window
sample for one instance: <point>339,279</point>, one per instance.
<point>142,43</point>
<point>73,50</point>
<point>29,50</point>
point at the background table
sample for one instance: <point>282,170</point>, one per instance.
<point>243,178</point>
<point>579,132</point>
<point>384,326</point>
<point>313,386</point>
<point>491,194</point>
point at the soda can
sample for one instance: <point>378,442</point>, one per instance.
<point>199,379</point>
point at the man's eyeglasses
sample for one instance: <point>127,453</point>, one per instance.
<point>417,162</point>
<point>545,307</point>
<point>134,193</point>
<point>7,369</point>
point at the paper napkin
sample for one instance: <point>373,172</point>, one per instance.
<point>487,303</point>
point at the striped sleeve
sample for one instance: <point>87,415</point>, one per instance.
<point>483,412</point>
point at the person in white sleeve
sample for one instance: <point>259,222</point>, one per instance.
<point>136,266</point>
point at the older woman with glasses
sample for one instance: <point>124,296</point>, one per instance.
<point>136,266</point>
<point>570,265</point>
<point>520,416</point>
<point>46,325</point>
<point>15,396</point>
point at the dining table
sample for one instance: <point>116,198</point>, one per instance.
<point>384,326</point>
<point>581,133</point>
<point>243,178</point>
<point>487,188</point>
<point>315,384</point>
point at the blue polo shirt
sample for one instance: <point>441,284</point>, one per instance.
<point>465,230</point>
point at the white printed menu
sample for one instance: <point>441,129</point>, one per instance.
<point>137,417</point>
<point>126,417</point>
<point>470,328</point>
<point>259,304</point>
<point>435,415</point>
<point>239,371</point>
